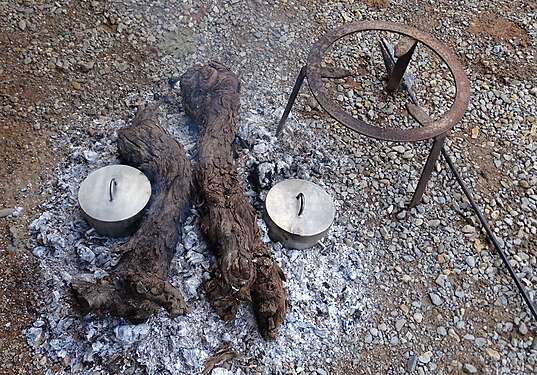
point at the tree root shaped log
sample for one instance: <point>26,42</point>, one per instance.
<point>137,288</point>
<point>245,269</point>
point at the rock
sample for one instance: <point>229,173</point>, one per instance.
<point>480,341</point>
<point>4,212</point>
<point>469,369</point>
<point>435,299</point>
<point>411,364</point>
<point>470,261</point>
<point>523,329</point>
<point>434,223</point>
<point>221,371</point>
<point>399,324</point>
<point>440,280</point>
<point>467,229</point>
<point>425,357</point>
<point>493,354</point>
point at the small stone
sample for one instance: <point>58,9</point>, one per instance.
<point>425,357</point>
<point>440,280</point>
<point>76,85</point>
<point>411,364</point>
<point>399,324</point>
<point>493,354</point>
<point>406,278</point>
<point>435,299</point>
<point>480,341</point>
<point>469,369</point>
<point>468,229</point>
<point>434,223</point>
<point>4,212</point>
<point>523,329</point>
<point>418,317</point>
<point>441,331</point>
<point>22,25</point>
<point>470,261</point>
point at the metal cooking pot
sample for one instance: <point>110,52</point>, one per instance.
<point>112,199</point>
<point>298,213</point>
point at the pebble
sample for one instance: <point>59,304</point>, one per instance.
<point>440,280</point>
<point>467,229</point>
<point>434,223</point>
<point>399,324</point>
<point>493,354</point>
<point>425,357</point>
<point>480,341</point>
<point>470,261</point>
<point>469,369</point>
<point>435,299</point>
<point>4,212</point>
<point>523,329</point>
<point>411,364</point>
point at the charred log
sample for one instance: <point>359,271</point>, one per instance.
<point>245,269</point>
<point>137,288</point>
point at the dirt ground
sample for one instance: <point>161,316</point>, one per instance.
<point>29,154</point>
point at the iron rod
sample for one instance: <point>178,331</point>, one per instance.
<point>490,234</point>
<point>292,98</point>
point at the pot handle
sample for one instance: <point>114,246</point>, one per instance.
<point>113,183</point>
<point>302,200</point>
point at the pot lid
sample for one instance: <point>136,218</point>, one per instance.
<point>114,193</point>
<point>300,207</point>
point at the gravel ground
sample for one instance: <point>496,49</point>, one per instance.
<point>388,290</point>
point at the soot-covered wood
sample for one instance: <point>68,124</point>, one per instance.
<point>137,288</point>
<point>245,268</point>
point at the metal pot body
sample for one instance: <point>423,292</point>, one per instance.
<point>290,240</point>
<point>298,213</point>
<point>120,228</point>
<point>112,199</point>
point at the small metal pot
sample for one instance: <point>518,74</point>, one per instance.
<point>113,198</point>
<point>298,213</point>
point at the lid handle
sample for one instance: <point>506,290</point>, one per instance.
<point>113,183</point>
<point>302,200</point>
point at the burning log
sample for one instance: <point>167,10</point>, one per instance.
<point>137,288</point>
<point>245,269</point>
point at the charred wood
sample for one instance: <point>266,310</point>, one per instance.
<point>138,288</point>
<point>245,270</point>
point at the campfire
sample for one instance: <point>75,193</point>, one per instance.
<point>201,284</point>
